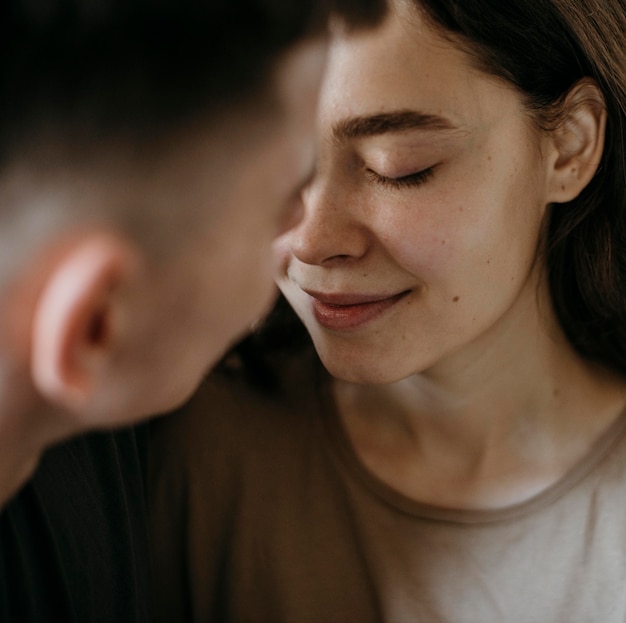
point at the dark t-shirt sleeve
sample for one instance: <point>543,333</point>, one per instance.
<point>73,542</point>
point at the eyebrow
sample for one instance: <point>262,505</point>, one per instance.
<point>383,123</point>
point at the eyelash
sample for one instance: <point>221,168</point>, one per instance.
<point>406,181</point>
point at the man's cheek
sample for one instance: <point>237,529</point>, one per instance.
<point>281,252</point>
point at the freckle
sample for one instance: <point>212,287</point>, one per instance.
<point>562,186</point>
<point>455,299</point>
<point>443,242</point>
<point>557,393</point>
<point>461,209</point>
<point>488,261</point>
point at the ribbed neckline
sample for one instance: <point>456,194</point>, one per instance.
<point>342,447</point>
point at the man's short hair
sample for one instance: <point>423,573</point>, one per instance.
<point>120,67</point>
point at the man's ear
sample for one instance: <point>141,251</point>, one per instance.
<point>76,317</point>
<point>578,141</point>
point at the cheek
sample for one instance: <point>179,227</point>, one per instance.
<point>423,253</point>
<point>235,274</point>
<point>246,294</point>
<point>254,277</point>
<point>281,253</point>
<point>421,238</point>
<point>469,225</point>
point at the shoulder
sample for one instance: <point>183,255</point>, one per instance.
<point>231,416</point>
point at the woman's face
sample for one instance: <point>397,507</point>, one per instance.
<point>421,228</point>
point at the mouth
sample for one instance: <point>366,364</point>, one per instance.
<point>345,312</point>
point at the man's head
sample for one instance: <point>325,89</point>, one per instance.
<point>140,67</point>
<point>149,153</point>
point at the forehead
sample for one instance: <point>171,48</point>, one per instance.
<point>406,64</point>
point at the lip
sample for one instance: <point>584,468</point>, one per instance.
<point>345,312</point>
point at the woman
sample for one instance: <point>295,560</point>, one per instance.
<point>460,269</point>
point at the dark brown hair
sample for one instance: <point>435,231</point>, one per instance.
<point>543,47</point>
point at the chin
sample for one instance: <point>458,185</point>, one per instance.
<point>361,372</point>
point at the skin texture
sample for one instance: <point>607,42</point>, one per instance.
<point>433,185</point>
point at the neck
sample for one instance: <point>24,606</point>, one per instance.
<point>27,427</point>
<point>488,427</point>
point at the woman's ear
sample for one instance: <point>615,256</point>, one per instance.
<point>76,318</point>
<point>578,141</point>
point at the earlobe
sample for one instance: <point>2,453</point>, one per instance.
<point>578,142</point>
<point>74,320</point>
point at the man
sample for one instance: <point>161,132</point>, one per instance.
<point>149,153</point>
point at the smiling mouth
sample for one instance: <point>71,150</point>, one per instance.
<point>342,312</point>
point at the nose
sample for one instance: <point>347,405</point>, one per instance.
<point>331,230</point>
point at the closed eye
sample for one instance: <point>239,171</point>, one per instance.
<point>411,180</point>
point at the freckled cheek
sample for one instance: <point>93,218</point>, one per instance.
<point>422,250</point>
